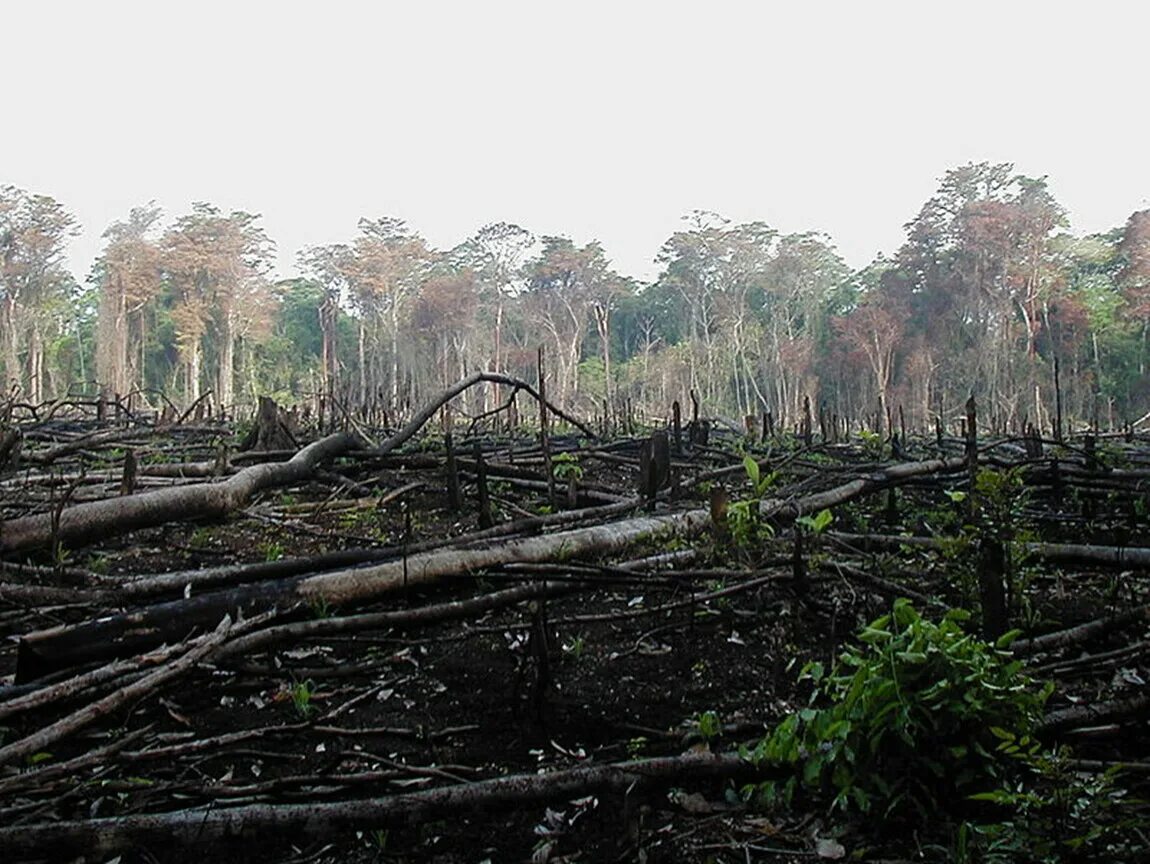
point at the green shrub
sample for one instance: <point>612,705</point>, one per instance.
<point>909,719</point>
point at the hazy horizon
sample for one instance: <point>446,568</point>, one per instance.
<point>603,123</point>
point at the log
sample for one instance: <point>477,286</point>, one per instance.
<point>1076,716</point>
<point>97,520</point>
<point>46,651</point>
<point>93,520</point>
<point>41,738</point>
<point>256,822</point>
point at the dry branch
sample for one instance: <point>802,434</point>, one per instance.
<point>198,650</point>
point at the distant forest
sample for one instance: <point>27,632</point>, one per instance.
<point>986,294</point>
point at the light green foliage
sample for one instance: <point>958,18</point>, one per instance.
<point>760,483</point>
<point>818,523</point>
<point>200,538</point>
<point>272,551</point>
<point>301,698</point>
<point>908,719</point>
<point>1000,497</point>
<point>575,647</point>
<point>872,444</point>
<point>320,608</point>
<point>747,529</point>
<point>708,726</point>
<point>565,466</point>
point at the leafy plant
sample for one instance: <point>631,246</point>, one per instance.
<point>907,727</point>
<point>746,526</point>
<point>575,647</point>
<point>760,483</point>
<point>565,466</point>
<point>320,607</point>
<point>1054,813</point>
<point>301,698</point>
<point>872,443</point>
<point>272,550</point>
<point>818,523</point>
<point>708,726</point>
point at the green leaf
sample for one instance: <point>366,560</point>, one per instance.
<point>1006,639</point>
<point>752,469</point>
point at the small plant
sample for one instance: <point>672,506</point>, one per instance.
<point>760,483</point>
<point>818,523</point>
<point>872,444</point>
<point>637,746</point>
<point>100,564</point>
<point>38,758</point>
<point>377,839</point>
<point>1053,813</point>
<point>708,726</point>
<point>302,693</point>
<point>200,537</point>
<point>575,647</point>
<point>272,551</point>
<point>565,466</point>
<point>320,608</point>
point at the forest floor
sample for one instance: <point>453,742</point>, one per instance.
<point>679,643</point>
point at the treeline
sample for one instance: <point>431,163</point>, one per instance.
<point>986,295</point>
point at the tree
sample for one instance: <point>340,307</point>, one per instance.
<point>388,263</point>
<point>128,277</point>
<point>564,282</point>
<point>34,286</point>
<point>331,267</point>
<point>217,264</point>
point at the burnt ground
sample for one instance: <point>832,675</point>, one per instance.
<point>628,665</point>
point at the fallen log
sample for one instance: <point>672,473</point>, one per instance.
<point>1126,557</point>
<point>1082,632</point>
<point>783,509</point>
<point>94,520</point>
<point>197,651</point>
<point>1077,716</point>
<point>83,523</point>
<point>256,822</point>
<point>47,651</point>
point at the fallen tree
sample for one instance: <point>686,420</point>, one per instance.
<point>323,818</point>
<point>59,648</point>
<point>83,523</point>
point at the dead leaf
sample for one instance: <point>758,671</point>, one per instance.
<point>827,848</point>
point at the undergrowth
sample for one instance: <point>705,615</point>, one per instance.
<point>924,722</point>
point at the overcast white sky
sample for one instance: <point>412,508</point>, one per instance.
<point>599,120</point>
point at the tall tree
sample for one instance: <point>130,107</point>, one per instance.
<point>331,267</point>
<point>389,262</point>
<point>218,264</point>
<point>34,286</point>
<point>563,284</point>
<point>128,277</point>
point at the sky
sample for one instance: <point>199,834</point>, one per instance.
<point>603,121</point>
